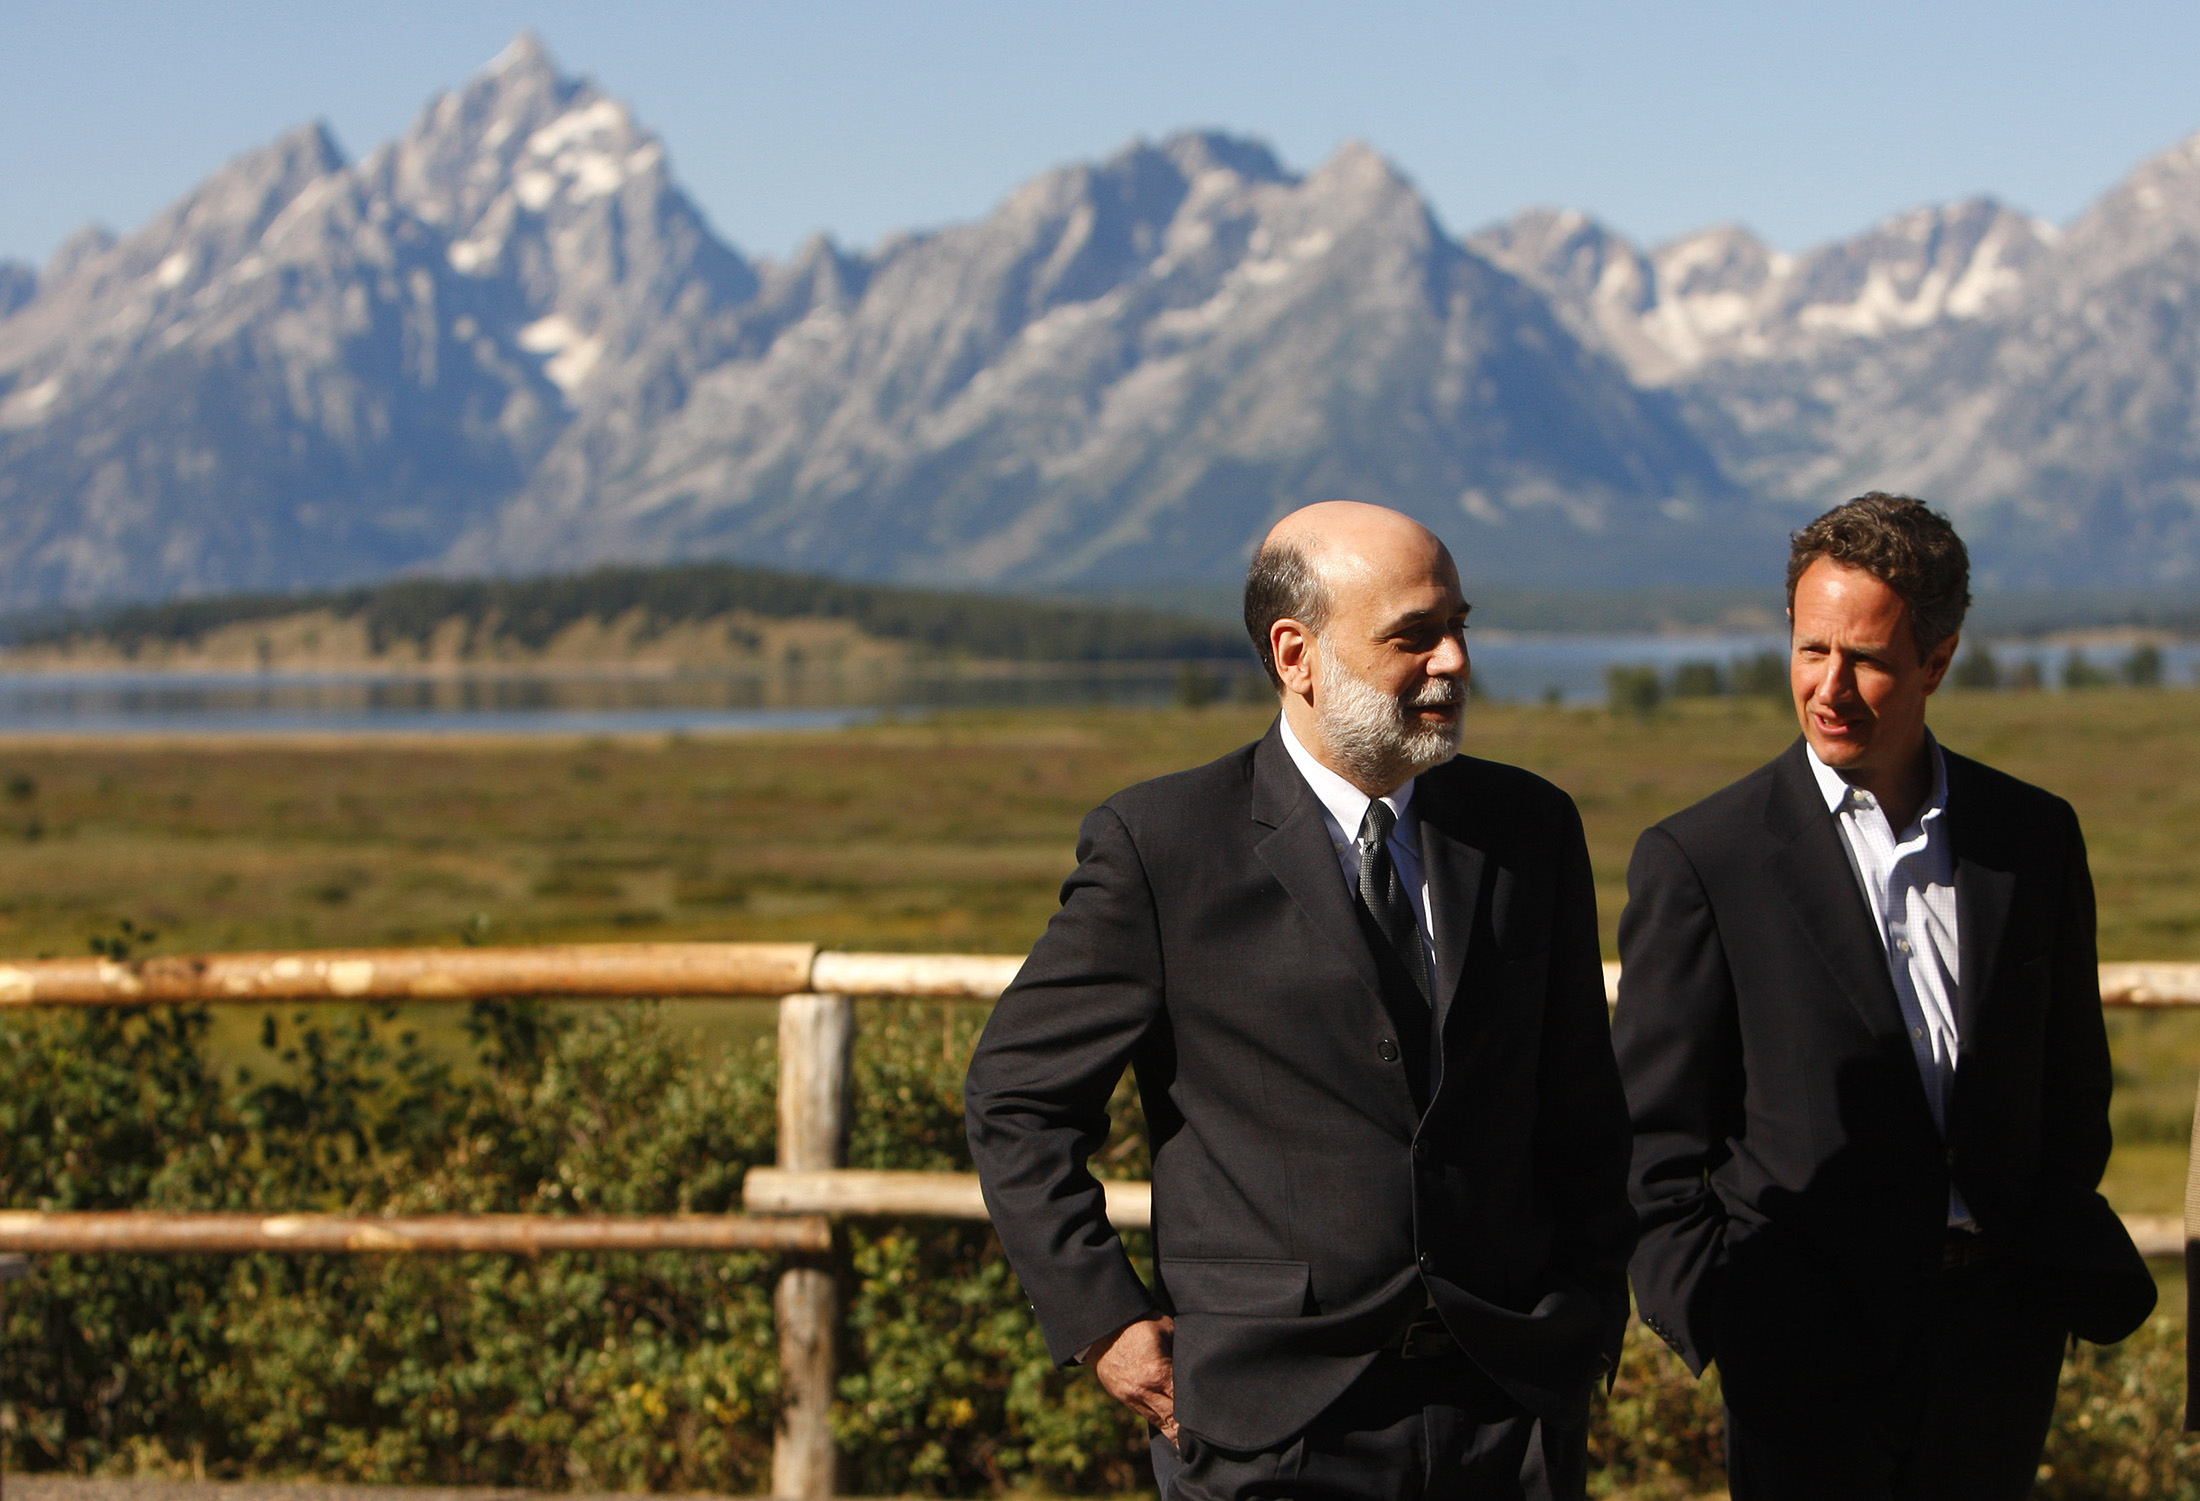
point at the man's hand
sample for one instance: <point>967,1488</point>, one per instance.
<point>1135,1368</point>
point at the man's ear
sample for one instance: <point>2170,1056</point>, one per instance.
<point>1937,661</point>
<point>1293,647</point>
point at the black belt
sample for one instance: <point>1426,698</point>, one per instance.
<point>1961,1250</point>
<point>1425,1338</point>
<point>1432,1365</point>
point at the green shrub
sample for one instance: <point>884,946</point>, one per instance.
<point>604,1372</point>
<point>2119,1423</point>
<point>2078,671</point>
<point>1977,669</point>
<point>1633,690</point>
<point>629,1371</point>
<point>1657,1431</point>
<point>2143,667</point>
<point>1764,675</point>
<point>609,1371</point>
<point>948,1387</point>
<point>1698,680</point>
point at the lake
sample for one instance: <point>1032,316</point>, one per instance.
<point>1568,668</point>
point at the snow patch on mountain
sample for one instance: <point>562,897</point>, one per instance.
<point>1723,294</point>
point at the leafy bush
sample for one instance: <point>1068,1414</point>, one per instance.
<point>1977,669</point>
<point>948,1387</point>
<point>1633,690</point>
<point>1698,680</point>
<point>2119,1423</point>
<point>1657,1432</point>
<point>2143,668</point>
<point>2078,671</point>
<point>610,1370</point>
<point>627,1371</point>
<point>1764,675</point>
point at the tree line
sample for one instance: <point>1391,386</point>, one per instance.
<point>530,612</point>
<point>1640,688</point>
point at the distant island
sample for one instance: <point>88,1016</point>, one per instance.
<point>683,618</point>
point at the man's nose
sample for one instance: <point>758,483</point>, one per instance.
<point>1835,678</point>
<point>1450,658</point>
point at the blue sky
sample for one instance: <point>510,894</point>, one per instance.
<point>1805,122</point>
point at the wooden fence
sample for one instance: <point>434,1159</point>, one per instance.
<point>787,1209</point>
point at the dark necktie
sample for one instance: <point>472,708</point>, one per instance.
<point>1384,895</point>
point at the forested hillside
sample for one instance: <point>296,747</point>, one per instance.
<point>503,620</point>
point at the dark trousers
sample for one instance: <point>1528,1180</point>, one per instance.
<point>1959,1413</point>
<point>1406,1431</point>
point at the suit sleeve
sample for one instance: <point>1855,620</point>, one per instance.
<point>1582,1134</point>
<point>2110,1289</point>
<point>2192,1269</point>
<point>1035,1102</point>
<point>2078,1080</point>
<point>1678,1041</point>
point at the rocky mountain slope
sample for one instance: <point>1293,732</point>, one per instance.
<point>1127,372</point>
<point>307,370</point>
<point>18,285</point>
<point>507,342</point>
<point>2061,428</point>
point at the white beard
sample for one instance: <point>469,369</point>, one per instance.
<point>1373,733</point>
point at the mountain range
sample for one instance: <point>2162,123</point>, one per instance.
<point>508,343</point>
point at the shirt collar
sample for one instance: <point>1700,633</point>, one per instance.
<point>1838,792</point>
<point>1346,803</point>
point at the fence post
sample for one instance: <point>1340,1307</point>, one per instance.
<point>816,1036</point>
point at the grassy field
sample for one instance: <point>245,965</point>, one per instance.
<point>943,834</point>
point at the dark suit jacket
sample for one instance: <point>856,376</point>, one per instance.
<point>1782,1134</point>
<point>2192,1271</point>
<point>1303,1214</point>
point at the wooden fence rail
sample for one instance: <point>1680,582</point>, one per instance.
<point>628,970</point>
<point>788,1209</point>
<point>581,970</point>
<point>149,1232</point>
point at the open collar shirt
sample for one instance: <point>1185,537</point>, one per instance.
<point>1909,883</point>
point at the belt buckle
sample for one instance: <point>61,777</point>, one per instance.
<point>1426,1338</point>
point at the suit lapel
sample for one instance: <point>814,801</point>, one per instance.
<point>1299,854</point>
<point>1455,868</point>
<point>1986,883</point>
<point>1810,868</point>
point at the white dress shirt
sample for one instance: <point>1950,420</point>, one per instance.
<point>1909,883</point>
<point>1344,809</point>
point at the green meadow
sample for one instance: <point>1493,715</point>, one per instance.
<point>949,833</point>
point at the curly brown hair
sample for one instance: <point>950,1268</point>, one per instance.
<point>1906,545</point>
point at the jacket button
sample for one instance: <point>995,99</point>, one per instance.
<point>1421,1152</point>
<point>1387,1051</point>
<point>1951,1157</point>
<point>1428,1262</point>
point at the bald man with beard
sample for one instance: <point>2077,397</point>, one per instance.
<point>1357,976</point>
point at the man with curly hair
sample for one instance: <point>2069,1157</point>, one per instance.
<point>1860,1029</point>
